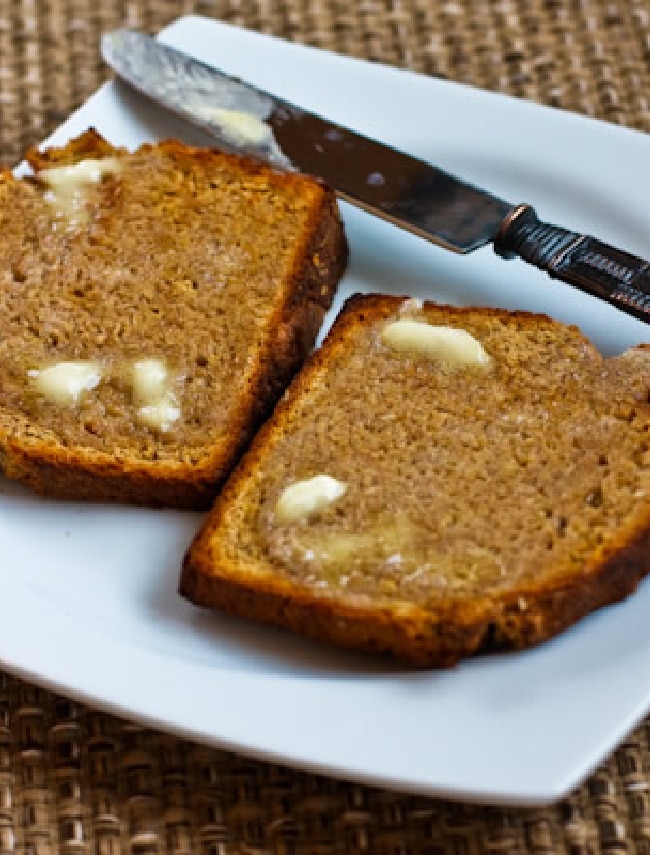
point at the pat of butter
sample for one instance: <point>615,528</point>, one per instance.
<point>64,382</point>
<point>68,184</point>
<point>300,500</point>
<point>447,344</point>
<point>159,407</point>
<point>149,380</point>
<point>238,127</point>
<point>411,305</point>
<point>161,413</point>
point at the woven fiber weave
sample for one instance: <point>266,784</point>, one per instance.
<point>584,55</point>
<point>75,780</point>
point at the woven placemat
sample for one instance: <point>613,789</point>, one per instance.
<point>591,57</point>
<point>73,779</point>
<point>76,780</point>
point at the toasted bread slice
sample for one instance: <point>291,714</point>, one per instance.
<point>153,306</point>
<point>437,482</point>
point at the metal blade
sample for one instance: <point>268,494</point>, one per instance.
<point>388,183</point>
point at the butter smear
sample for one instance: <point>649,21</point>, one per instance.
<point>68,185</point>
<point>238,127</point>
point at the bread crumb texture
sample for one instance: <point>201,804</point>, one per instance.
<point>214,267</point>
<point>483,508</point>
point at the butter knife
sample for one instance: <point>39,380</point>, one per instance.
<point>406,191</point>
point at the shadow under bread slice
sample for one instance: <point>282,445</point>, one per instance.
<point>153,306</point>
<point>437,482</point>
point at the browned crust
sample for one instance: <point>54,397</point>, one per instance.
<point>320,255</point>
<point>613,574</point>
<point>439,637</point>
<point>88,144</point>
<point>51,470</point>
<point>425,639</point>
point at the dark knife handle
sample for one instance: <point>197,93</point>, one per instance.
<point>604,271</point>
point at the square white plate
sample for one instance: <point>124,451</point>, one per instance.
<point>89,603</point>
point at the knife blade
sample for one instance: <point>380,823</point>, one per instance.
<point>408,192</point>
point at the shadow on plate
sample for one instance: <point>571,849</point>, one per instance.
<point>236,643</point>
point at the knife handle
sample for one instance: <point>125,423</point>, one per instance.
<point>619,277</point>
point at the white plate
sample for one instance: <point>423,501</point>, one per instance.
<point>89,603</point>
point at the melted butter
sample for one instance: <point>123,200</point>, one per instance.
<point>391,556</point>
<point>387,541</point>
<point>149,379</point>
<point>64,382</point>
<point>451,345</point>
<point>68,185</point>
<point>151,386</point>
<point>161,414</point>
<point>339,548</point>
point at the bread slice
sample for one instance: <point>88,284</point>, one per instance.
<point>467,480</point>
<point>153,306</point>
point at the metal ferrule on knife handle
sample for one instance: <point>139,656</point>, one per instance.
<point>619,277</point>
